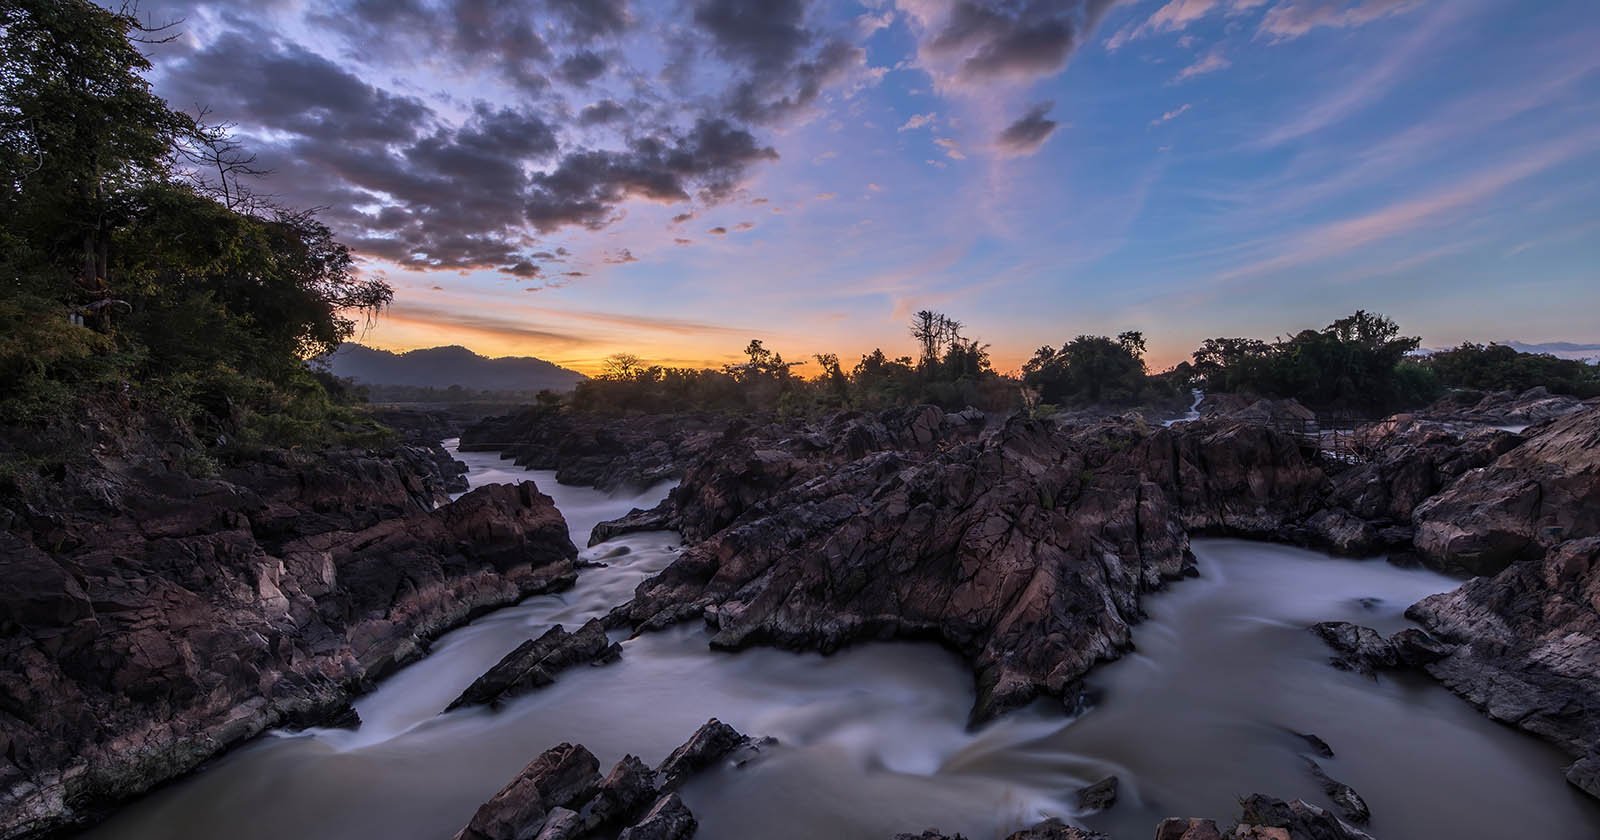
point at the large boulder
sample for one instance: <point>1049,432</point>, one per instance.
<point>560,777</point>
<point>1525,502</point>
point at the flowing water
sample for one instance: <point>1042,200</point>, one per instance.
<point>873,739</point>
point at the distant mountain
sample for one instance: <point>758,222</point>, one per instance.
<point>1559,349</point>
<point>441,367</point>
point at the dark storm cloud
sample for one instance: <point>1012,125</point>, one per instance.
<point>1029,132</point>
<point>582,68</point>
<point>786,63</point>
<point>429,181</point>
<point>593,18</point>
<point>587,185</point>
<point>599,113</point>
<point>997,38</point>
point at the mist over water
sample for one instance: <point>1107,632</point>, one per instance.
<point>873,739</point>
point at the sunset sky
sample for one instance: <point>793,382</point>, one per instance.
<point>573,178</point>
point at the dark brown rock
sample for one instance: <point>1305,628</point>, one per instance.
<point>1526,502</point>
<point>705,747</point>
<point>535,663</point>
<point>1263,817</point>
<point>1099,796</point>
<point>152,619</point>
<point>1193,828</point>
<point>560,777</point>
<point>667,819</point>
<point>1350,803</point>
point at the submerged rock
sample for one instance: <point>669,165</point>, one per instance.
<point>705,747</point>
<point>1099,796</point>
<point>1350,803</point>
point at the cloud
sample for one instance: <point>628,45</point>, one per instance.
<point>918,121</point>
<point>1172,114</point>
<point>1295,18</point>
<point>974,42</point>
<point>1211,62</point>
<point>599,113</point>
<point>719,230</point>
<point>581,68</point>
<point>586,187</point>
<point>1029,132</point>
<point>785,64</point>
<point>952,149</point>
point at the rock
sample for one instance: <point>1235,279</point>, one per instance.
<point>1098,796</point>
<point>1350,803</point>
<point>535,663</point>
<point>1054,829</point>
<point>1414,648</point>
<point>705,747</point>
<point>1192,828</point>
<point>668,819</point>
<point>142,634</point>
<point>1504,408</point>
<point>1522,505</point>
<point>1317,745</point>
<point>1526,644</point>
<point>563,775</point>
<point>1026,550</point>
<point>1263,817</point>
<point>561,824</point>
<point>1358,648</point>
<point>625,791</point>
<point>609,453</point>
<point>1584,774</point>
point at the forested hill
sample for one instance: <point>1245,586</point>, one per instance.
<point>442,367</point>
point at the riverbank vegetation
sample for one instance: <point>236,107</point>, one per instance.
<point>138,271</point>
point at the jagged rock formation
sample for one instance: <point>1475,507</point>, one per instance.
<point>150,620</point>
<point>535,663</point>
<point>1026,549</point>
<point>604,452</point>
<point>1504,408</point>
<point>1527,648</point>
<point>560,795</point>
<point>1522,505</point>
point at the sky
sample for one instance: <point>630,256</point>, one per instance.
<point>570,179</point>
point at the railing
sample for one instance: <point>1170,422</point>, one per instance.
<point>1347,440</point>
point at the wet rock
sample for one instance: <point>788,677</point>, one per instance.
<point>1027,550</point>
<point>1414,648</point>
<point>561,824</point>
<point>1350,803</point>
<point>1317,745</point>
<point>1526,645</point>
<point>1098,796</point>
<point>1192,828</point>
<point>1054,829</point>
<point>1263,817</point>
<point>1522,505</point>
<point>625,791</point>
<point>1504,408</point>
<point>667,819</point>
<point>705,747</point>
<point>563,775</point>
<point>141,637</point>
<point>536,663</point>
<point>1584,774</point>
<point>1357,648</point>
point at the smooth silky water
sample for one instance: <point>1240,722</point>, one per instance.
<point>873,739</point>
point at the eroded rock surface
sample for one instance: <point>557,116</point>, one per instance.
<point>150,619</point>
<point>535,664</point>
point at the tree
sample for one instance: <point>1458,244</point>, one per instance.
<point>1089,369</point>
<point>80,129</point>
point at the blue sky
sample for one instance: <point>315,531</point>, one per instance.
<point>1192,168</point>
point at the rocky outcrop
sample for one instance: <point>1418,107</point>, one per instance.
<point>1526,502</point>
<point>1350,803</point>
<point>599,451</point>
<point>560,795</point>
<point>151,620</point>
<point>1527,647</point>
<point>1099,796</point>
<point>1504,408</point>
<point>1026,550</point>
<point>1051,829</point>
<point>535,663</point>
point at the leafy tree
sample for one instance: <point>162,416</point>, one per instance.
<point>1089,369</point>
<point>1496,367</point>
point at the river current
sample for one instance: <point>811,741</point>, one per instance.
<point>872,740</point>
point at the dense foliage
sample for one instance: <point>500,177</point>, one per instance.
<point>952,371</point>
<point>1093,370</point>
<point>1496,367</point>
<point>125,271</point>
<point>1361,362</point>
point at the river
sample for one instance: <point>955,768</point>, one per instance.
<point>873,739</point>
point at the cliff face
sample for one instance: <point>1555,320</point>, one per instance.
<point>151,619</point>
